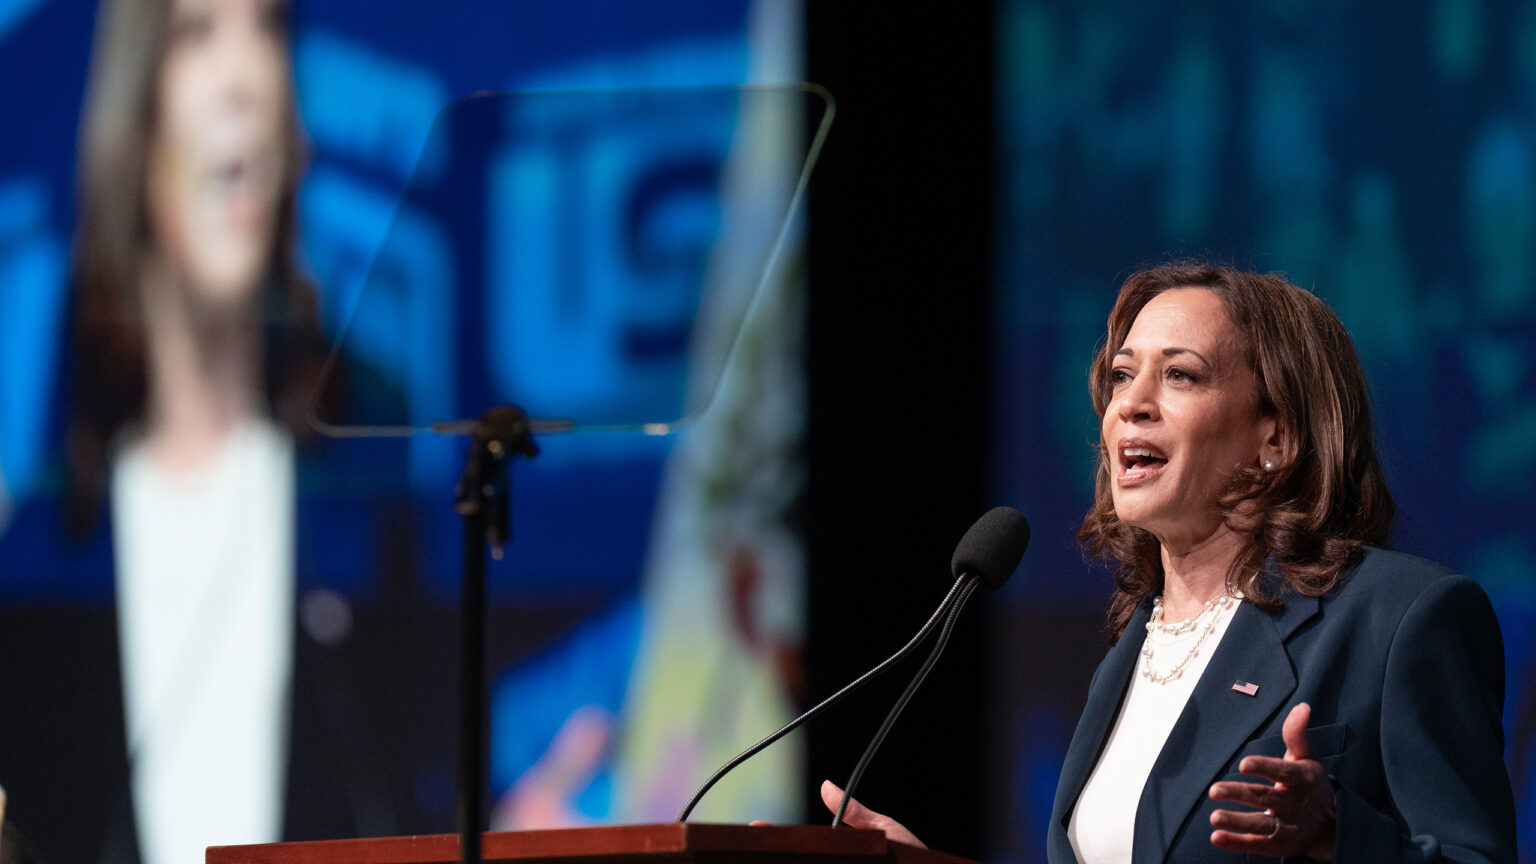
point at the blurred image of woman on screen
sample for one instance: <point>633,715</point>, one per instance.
<point>195,344</point>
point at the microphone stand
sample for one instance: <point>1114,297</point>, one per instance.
<point>962,588</point>
<point>481,497</point>
<point>969,588</point>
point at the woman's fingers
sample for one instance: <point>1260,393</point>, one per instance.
<point>1259,796</point>
<point>1285,771</point>
<point>1257,824</point>
<point>1259,832</point>
<point>1294,732</point>
<point>1297,807</point>
<point>859,816</point>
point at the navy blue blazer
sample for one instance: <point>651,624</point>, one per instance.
<point>1403,666</point>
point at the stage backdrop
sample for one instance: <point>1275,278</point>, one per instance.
<point>645,623</point>
<point>1381,154</point>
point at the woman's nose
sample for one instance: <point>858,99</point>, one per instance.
<point>1137,400</point>
<point>255,66</point>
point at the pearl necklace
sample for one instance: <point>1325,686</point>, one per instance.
<point>1211,614</point>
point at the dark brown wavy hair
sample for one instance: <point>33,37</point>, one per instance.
<point>109,358</point>
<point>1325,501</point>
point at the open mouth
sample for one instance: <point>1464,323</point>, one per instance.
<point>243,188</point>
<point>1139,459</point>
<point>243,176</point>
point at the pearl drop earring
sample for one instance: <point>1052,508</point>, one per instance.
<point>1269,465</point>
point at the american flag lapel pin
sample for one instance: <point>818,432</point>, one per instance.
<point>1247,688</point>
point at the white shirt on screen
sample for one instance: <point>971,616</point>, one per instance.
<point>205,611</point>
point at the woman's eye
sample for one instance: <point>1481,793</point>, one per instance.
<point>1118,377</point>
<point>1182,375</point>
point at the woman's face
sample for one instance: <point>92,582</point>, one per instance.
<point>216,162</point>
<point>1181,417</point>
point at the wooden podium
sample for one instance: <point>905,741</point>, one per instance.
<point>670,843</point>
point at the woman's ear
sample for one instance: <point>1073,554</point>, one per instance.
<point>1274,447</point>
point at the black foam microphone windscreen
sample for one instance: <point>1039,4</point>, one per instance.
<point>993,547</point>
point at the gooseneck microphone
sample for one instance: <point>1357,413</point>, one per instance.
<point>987,556</point>
<point>989,552</point>
<point>823,705</point>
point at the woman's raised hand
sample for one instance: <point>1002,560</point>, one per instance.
<point>1299,810</point>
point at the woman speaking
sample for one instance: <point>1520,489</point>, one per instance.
<point>1279,685</point>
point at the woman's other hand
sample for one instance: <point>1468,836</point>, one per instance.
<point>1298,811</point>
<point>859,816</point>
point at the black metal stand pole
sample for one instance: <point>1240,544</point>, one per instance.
<point>472,778</point>
<point>482,499</point>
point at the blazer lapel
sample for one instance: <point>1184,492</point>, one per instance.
<point>1218,720</point>
<point>1104,696</point>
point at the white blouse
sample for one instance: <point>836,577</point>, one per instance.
<point>1103,823</point>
